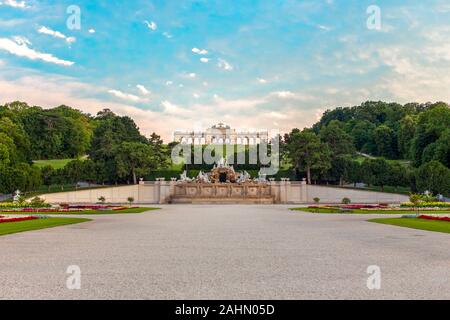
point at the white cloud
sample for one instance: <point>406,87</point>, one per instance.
<point>200,51</point>
<point>22,40</point>
<point>324,28</point>
<point>196,95</point>
<point>167,35</point>
<point>289,95</point>
<point>15,4</point>
<point>173,109</point>
<point>124,96</point>
<point>283,94</point>
<point>204,60</point>
<point>91,31</point>
<point>151,25</point>
<point>190,75</point>
<point>252,112</point>
<point>169,83</point>
<point>56,34</point>
<point>223,64</point>
<point>262,81</point>
<point>20,48</point>
<point>143,89</point>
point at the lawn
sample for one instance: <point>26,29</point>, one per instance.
<point>421,224</point>
<point>365,211</point>
<point>14,227</point>
<point>90,212</point>
<point>55,163</point>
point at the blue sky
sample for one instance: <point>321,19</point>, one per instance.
<point>252,64</point>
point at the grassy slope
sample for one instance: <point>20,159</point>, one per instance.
<point>363,211</point>
<point>21,226</point>
<point>422,224</point>
<point>87,212</point>
<point>56,163</point>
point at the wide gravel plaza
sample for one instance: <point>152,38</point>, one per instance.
<point>225,252</point>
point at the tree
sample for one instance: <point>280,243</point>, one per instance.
<point>306,150</point>
<point>74,171</point>
<point>398,175</point>
<point>18,136</point>
<point>110,133</point>
<point>4,155</point>
<point>433,176</point>
<point>406,134</point>
<point>159,152</point>
<point>385,141</point>
<point>439,150</point>
<point>339,141</point>
<point>362,134</point>
<point>47,173</point>
<point>130,200</point>
<point>133,158</point>
<point>342,169</point>
<point>432,123</point>
<point>376,172</point>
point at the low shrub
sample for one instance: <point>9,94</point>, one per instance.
<point>346,201</point>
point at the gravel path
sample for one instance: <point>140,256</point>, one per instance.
<point>225,252</point>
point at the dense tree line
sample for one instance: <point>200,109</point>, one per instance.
<point>116,150</point>
<point>416,132</point>
<point>419,134</point>
<point>347,145</point>
<point>57,133</point>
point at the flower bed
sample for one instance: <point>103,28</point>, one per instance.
<point>365,206</point>
<point>68,209</point>
<point>21,205</point>
<point>426,205</point>
<point>434,218</point>
<point>41,210</point>
<point>4,220</point>
<point>353,206</point>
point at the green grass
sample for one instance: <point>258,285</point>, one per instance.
<point>365,211</point>
<point>21,226</point>
<point>421,224</point>
<point>91,212</point>
<point>55,163</point>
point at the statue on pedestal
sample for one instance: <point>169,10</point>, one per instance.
<point>184,177</point>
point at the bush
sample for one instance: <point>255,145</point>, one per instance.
<point>316,200</point>
<point>346,201</point>
<point>37,202</point>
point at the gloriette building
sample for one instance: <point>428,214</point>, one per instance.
<point>221,134</point>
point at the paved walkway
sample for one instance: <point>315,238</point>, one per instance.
<point>225,252</point>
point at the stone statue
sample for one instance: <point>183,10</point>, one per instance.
<point>17,196</point>
<point>202,177</point>
<point>184,177</point>
<point>243,177</point>
<point>221,162</point>
<point>261,177</point>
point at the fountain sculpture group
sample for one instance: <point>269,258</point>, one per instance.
<point>222,185</point>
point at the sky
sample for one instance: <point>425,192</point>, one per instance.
<point>183,65</point>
